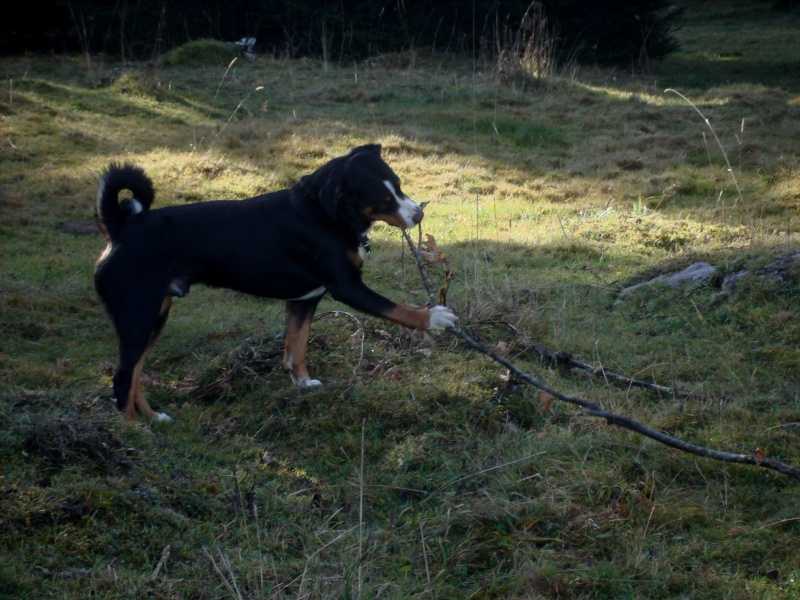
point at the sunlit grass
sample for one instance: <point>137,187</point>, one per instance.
<point>415,470</point>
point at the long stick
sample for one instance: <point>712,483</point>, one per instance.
<point>564,359</point>
<point>595,410</point>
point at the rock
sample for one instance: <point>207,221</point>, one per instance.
<point>779,270</point>
<point>731,279</point>
<point>697,273</point>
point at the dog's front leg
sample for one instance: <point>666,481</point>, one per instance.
<point>436,317</point>
<point>299,314</point>
<point>359,296</point>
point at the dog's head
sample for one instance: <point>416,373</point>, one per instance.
<point>360,188</point>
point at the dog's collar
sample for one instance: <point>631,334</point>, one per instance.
<point>364,241</point>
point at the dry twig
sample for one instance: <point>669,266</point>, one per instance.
<point>565,359</point>
<point>595,410</point>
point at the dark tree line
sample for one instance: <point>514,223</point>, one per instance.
<point>597,31</point>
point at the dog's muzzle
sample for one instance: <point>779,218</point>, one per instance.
<point>410,211</point>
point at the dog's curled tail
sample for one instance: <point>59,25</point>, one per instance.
<point>110,211</point>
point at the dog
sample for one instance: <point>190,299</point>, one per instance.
<point>294,245</point>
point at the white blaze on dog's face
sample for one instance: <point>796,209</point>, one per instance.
<point>407,213</point>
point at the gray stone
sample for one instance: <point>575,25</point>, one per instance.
<point>731,279</point>
<point>697,273</point>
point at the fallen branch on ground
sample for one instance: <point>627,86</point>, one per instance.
<point>595,410</point>
<point>565,359</point>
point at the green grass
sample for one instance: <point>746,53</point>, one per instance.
<point>416,470</point>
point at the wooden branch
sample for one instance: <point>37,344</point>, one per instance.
<point>595,410</point>
<point>565,359</point>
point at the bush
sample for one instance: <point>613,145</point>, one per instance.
<point>200,53</point>
<point>614,31</point>
<point>600,30</point>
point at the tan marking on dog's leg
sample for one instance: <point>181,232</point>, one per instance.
<point>136,399</point>
<point>298,325</point>
<point>413,318</point>
<point>130,408</point>
<point>294,356</point>
<point>137,394</point>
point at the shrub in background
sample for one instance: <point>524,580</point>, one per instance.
<point>605,31</point>
<point>615,31</point>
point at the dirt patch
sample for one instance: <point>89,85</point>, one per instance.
<point>84,227</point>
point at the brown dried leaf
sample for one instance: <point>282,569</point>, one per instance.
<point>355,379</point>
<point>546,402</point>
<point>107,369</point>
<point>449,276</point>
<point>394,374</point>
<point>152,381</point>
<point>384,335</point>
<point>429,245</point>
<point>422,337</point>
<point>357,339</point>
<point>187,384</point>
<point>501,348</point>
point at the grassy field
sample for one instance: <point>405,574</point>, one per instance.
<point>420,469</point>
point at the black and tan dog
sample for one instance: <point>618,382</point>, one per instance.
<point>293,245</point>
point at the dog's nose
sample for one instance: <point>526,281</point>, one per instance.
<point>409,212</point>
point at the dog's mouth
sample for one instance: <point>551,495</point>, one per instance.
<point>405,217</point>
<point>410,212</point>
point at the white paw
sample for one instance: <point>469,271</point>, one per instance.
<point>162,417</point>
<point>441,317</point>
<point>305,383</point>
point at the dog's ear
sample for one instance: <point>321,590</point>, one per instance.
<point>373,148</point>
<point>334,175</point>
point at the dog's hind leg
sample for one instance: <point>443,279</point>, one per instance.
<point>299,314</point>
<point>136,339</point>
<point>139,399</point>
